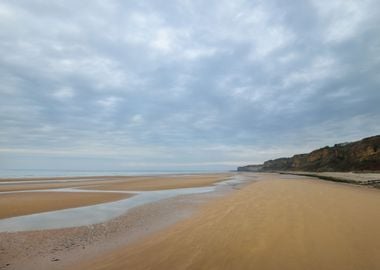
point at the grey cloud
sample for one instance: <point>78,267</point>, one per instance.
<point>220,83</point>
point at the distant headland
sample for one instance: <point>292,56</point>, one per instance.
<point>359,156</point>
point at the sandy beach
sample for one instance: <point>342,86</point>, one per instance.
<point>164,182</point>
<point>38,249</point>
<point>272,221</point>
<point>190,135</point>
<point>366,179</point>
<point>270,224</point>
<point>114,182</point>
<point>18,204</point>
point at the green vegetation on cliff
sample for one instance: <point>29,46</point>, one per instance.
<point>363,155</point>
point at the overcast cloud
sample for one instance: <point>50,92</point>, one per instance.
<point>184,84</point>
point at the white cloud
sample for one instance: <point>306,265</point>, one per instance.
<point>255,25</point>
<point>196,53</point>
<point>102,72</point>
<point>109,102</point>
<point>321,68</point>
<point>164,40</point>
<point>243,76</point>
<point>155,33</point>
<point>344,18</point>
<point>5,11</point>
<point>334,131</point>
<point>137,119</point>
<point>289,57</point>
<point>272,39</point>
<point>64,93</point>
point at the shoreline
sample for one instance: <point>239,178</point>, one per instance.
<point>275,223</point>
<point>57,248</point>
<point>270,220</point>
<point>62,248</point>
<point>361,179</point>
<point>28,203</point>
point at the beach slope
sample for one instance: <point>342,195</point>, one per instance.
<point>276,223</point>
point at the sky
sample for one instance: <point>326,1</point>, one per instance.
<point>157,84</point>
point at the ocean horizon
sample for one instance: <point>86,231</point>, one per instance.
<point>25,173</point>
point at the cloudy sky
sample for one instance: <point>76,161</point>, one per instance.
<point>184,84</point>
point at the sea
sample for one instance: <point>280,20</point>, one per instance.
<point>20,173</point>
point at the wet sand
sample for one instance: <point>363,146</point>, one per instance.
<point>46,178</point>
<point>271,224</point>
<point>116,182</point>
<point>18,204</point>
<point>58,249</point>
<point>61,248</point>
<point>164,182</point>
<point>274,222</point>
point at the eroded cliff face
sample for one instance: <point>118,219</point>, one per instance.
<point>362,155</point>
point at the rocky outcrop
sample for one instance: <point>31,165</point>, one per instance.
<point>362,155</point>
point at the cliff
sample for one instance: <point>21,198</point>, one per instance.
<point>251,168</point>
<point>363,155</point>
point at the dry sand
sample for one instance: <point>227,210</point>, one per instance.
<point>18,204</point>
<point>270,224</point>
<point>347,177</point>
<point>281,222</point>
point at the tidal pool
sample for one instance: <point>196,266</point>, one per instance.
<point>88,215</point>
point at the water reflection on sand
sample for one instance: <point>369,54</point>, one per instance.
<point>87,215</point>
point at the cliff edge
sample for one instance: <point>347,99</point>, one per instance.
<point>363,155</point>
